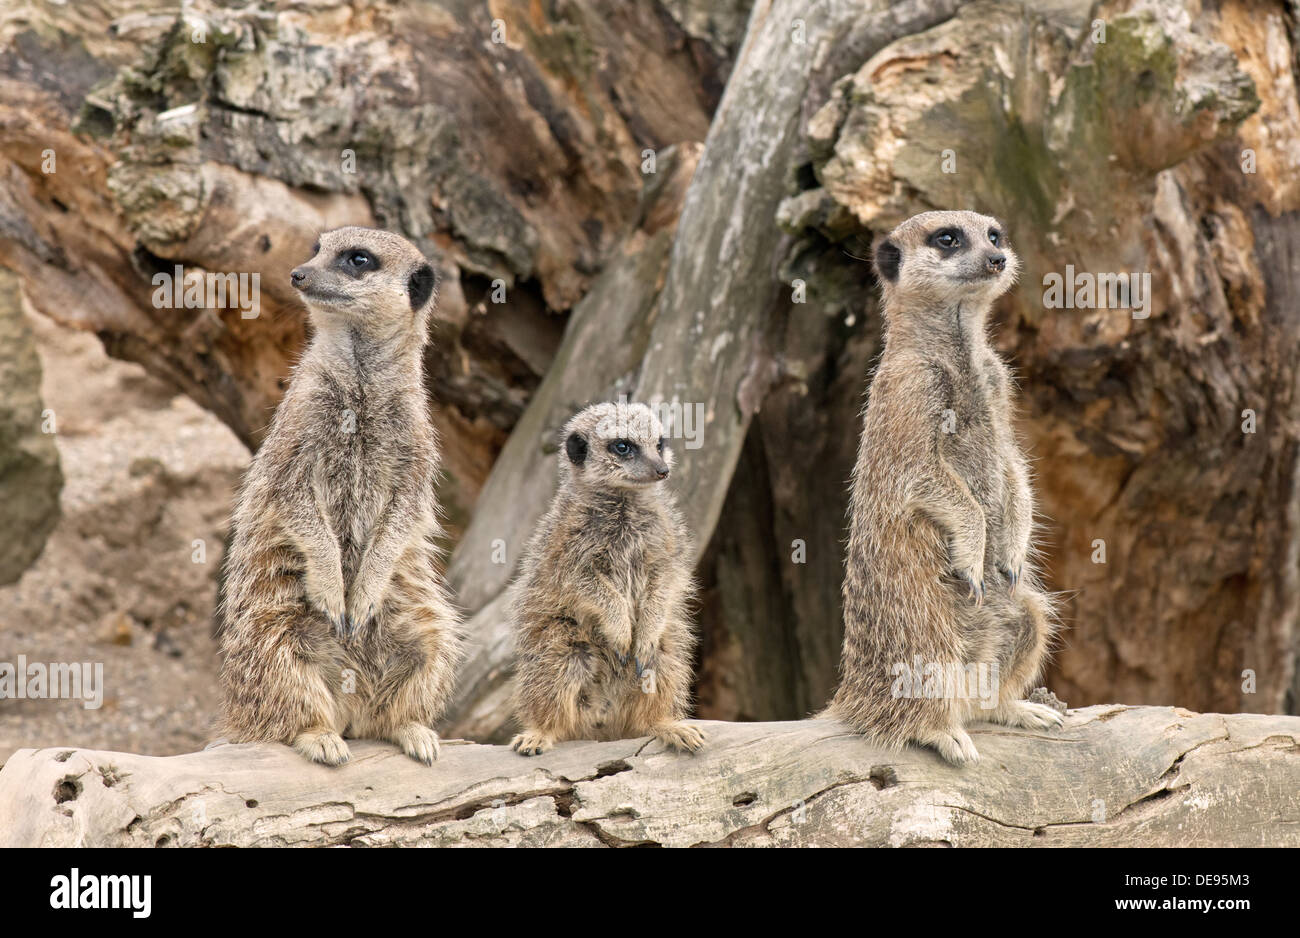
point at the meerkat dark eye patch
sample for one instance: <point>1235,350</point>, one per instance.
<point>576,448</point>
<point>315,249</point>
<point>356,261</point>
<point>947,240</point>
<point>888,259</point>
<point>995,237</point>
<point>420,286</point>
<point>623,448</point>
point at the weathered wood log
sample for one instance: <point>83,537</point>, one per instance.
<point>1113,776</point>
<point>1127,155</point>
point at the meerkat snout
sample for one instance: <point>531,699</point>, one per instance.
<point>996,263</point>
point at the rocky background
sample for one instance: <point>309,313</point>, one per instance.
<point>671,198</point>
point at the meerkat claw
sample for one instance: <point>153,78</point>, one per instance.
<point>1013,576</point>
<point>531,744</point>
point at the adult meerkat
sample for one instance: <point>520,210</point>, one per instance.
<point>939,571</point>
<point>603,640</point>
<point>334,617</point>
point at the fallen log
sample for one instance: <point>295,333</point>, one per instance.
<point>1113,776</point>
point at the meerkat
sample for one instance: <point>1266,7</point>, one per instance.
<point>603,637</point>
<point>335,620</point>
<point>939,573</point>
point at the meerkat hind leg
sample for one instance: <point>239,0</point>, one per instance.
<point>1025,713</point>
<point>532,743</point>
<point>417,741</point>
<point>680,736</point>
<point>953,744</point>
<point>322,745</point>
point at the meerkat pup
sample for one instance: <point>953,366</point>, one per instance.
<point>335,620</point>
<point>603,640</point>
<point>940,592</point>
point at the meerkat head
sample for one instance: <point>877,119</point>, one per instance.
<point>615,446</point>
<point>937,260</point>
<point>367,278</point>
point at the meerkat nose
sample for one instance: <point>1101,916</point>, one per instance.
<point>661,472</point>
<point>298,277</point>
<point>996,262</point>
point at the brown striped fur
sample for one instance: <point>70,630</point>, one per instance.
<point>940,558</point>
<point>334,618</point>
<point>603,637</point>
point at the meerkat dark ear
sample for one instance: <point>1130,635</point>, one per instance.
<point>576,447</point>
<point>420,286</point>
<point>888,258</point>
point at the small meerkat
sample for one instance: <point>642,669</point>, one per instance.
<point>939,573</point>
<point>603,638</point>
<point>335,620</point>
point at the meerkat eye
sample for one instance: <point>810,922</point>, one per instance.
<point>315,249</point>
<point>946,240</point>
<point>360,260</point>
<point>621,448</point>
<point>995,237</point>
<point>660,445</point>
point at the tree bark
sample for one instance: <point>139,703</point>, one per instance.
<point>1113,776</point>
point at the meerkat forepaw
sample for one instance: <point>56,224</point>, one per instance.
<point>1031,716</point>
<point>680,736</point>
<point>327,748</point>
<point>975,580</point>
<point>529,743</point>
<point>955,746</point>
<point>418,741</point>
<point>362,609</point>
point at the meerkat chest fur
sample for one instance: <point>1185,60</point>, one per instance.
<point>623,535</point>
<point>971,388</point>
<point>373,421</point>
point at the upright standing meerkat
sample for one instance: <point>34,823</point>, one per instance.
<point>603,639</point>
<point>939,575</point>
<point>335,619</point>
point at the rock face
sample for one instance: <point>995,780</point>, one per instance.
<point>1114,776</point>
<point>30,479</point>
